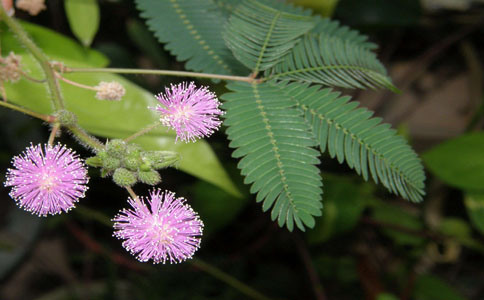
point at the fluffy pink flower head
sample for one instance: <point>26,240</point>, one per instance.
<point>192,112</point>
<point>167,229</point>
<point>47,180</point>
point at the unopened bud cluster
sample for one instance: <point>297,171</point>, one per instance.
<point>129,164</point>
<point>10,68</point>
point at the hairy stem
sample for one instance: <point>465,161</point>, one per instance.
<point>22,36</point>
<point>46,118</point>
<point>157,72</point>
<point>86,138</point>
<point>80,85</point>
<point>142,131</point>
<point>53,133</point>
<point>132,193</point>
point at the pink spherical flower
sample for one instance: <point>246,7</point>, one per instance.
<point>167,229</point>
<point>192,112</point>
<point>47,180</point>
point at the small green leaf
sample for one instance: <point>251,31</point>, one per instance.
<point>474,203</point>
<point>83,17</point>
<point>459,162</point>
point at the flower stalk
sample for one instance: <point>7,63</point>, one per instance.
<point>53,133</point>
<point>142,131</point>
<point>86,138</point>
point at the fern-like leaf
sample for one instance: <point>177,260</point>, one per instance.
<point>331,61</point>
<point>271,135</point>
<point>191,31</point>
<point>350,134</point>
<point>260,35</point>
<point>332,28</point>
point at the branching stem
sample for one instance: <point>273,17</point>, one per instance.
<point>46,118</point>
<point>157,72</point>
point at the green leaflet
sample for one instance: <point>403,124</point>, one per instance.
<point>191,31</point>
<point>350,134</point>
<point>332,61</point>
<point>260,35</point>
<point>83,17</point>
<point>459,162</point>
<point>333,29</point>
<point>275,143</point>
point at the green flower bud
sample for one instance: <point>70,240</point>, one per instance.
<point>161,159</point>
<point>116,148</point>
<point>66,117</point>
<point>133,149</point>
<point>124,178</point>
<point>102,154</point>
<point>132,163</point>
<point>150,177</point>
<point>111,163</point>
<point>145,166</point>
<point>94,161</point>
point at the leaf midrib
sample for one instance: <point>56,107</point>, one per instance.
<point>361,142</point>
<point>266,42</point>
<point>270,134</point>
<point>330,121</point>
<point>321,68</point>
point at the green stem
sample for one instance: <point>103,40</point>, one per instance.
<point>46,118</point>
<point>233,282</point>
<point>142,131</point>
<point>158,72</point>
<point>86,138</point>
<point>21,35</point>
<point>53,133</point>
<point>132,193</point>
